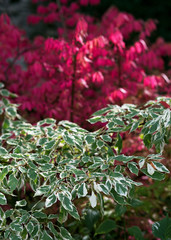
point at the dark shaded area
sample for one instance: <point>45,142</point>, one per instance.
<point>144,9</point>
<point>19,10</point>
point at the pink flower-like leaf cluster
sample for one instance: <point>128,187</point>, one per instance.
<point>87,67</point>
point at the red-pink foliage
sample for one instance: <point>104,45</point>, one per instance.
<point>91,64</point>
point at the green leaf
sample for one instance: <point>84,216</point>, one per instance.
<point>36,230</point>
<point>66,202</point>
<point>135,202</point>
<point>5,92</point>
<point>79,172</point>
<point>46,236</point>
<point>17,155</point>
<point>25,216</point>
<point>154,126</point>
<point>119,199</point>
<point>14,237</point>
<point>47,121</point>
<point>141,163</point>
<point>133,168</point>
<point>65,234</point>
<point>100,143</point>
<point>1,85</point>
<point>120,210</point>
<point>95,119</point>
<point>24,234</point>
<point>39,214</point>
<point>1,110</point>
<point>52,216</point>
<point>50,200</point>
<point>116,129</point>
<point>119,143</point>
<point>82,190</point>
<point>6,234</point>
<point>11,111</point>
<point>136,232</point>
<point>49,145</point>
<point>124,158</point>
<point>31,174</point>
<point>2,214</point>
<point>106,227</point>
<point>134,126</point>
<point>63,215</point>
<point>103,188</point>
<point>41,190</point>
<point>108,184</point>
<point>118,122</point>
<point>21,203</point>
<point>3,173</point>
<point>150,169</point>
<point>104,166</point>
<point>74,213</point>
<point>110,125</point>
<point>89,139</point>
<point>106,138</point>
<point>52,229</point>
<point>121,189</point>
<point>30,227</point>
<point>162,229</point>
<point>93,200</point>
<point>5,126</point>
<point>101,111</point>
<point>160,167</point>
<point>16,227</point>
<point>41,141</point>
<point>68,139</point>
<point>100,199</point>
<point>3,151</point>
<point>91,216</point>
<point>94,166</point>
<point>13,182</point>
<point>156,176</point>
<point>147,140</point>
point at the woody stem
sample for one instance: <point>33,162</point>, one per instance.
<point>73,88</point>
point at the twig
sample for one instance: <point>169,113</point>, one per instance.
<point>73,88</point>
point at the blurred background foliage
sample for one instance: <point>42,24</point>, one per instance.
<point>19,10</point>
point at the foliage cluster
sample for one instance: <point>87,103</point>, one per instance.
<point>90,64</point>
<point>62,164</point>
<point>53,173</point>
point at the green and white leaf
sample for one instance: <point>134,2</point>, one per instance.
<point>150,169</point>
<point>52,199</point>
<point>160,167</point>
<point>82,190</point>
<point>3,200</point>
<point>93,200</point>
<point>21,203</point>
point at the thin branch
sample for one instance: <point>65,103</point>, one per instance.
<point>73,88</point>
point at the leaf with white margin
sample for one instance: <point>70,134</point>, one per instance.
<point>93,200</point>
<point>3,200</point>
<point>141,163</point>
<point>82,190</point>
<point>50,200</point>
<point>150,169</point>
<point>160,167</point>
<point>96,187</point>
